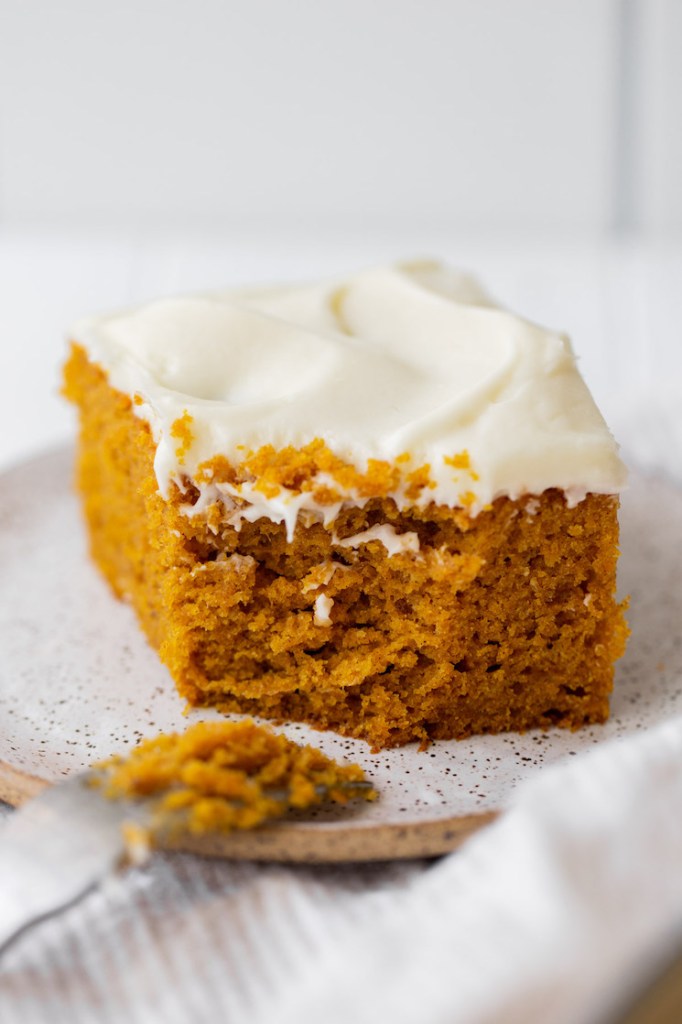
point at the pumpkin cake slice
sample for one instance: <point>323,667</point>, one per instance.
<point>382,505</point>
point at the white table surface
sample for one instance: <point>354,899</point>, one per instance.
<point>131,951</point>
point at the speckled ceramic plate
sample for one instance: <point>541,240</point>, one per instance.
<point>78,681</point>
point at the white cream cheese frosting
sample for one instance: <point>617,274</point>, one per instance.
<point>412,358</point>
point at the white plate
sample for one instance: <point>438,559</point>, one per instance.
<point>78,681</point>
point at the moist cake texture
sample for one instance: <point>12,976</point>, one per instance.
<point>383,506</point>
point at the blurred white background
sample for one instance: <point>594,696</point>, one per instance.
<point>522,114</point>
<point>157,145</point>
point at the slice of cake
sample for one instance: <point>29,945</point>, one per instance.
<point>382,505</point>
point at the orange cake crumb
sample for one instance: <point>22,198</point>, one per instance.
<point>223,776</point>
<point>298,469</point>
<point>182,430</point>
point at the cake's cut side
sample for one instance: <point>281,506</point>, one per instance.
<point>392,622</point>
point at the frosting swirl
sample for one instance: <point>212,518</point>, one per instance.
<point>407,360</point>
